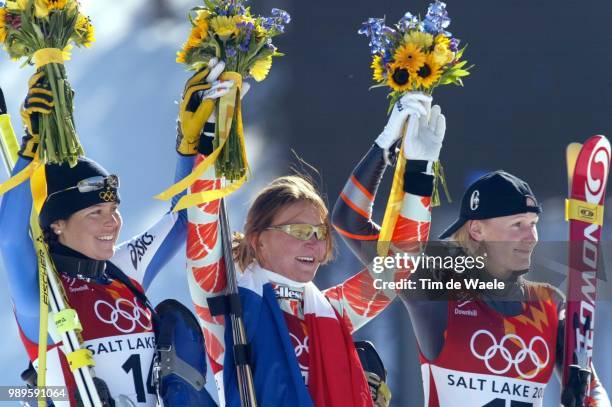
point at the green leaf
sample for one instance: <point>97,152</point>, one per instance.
<point>460,73</point>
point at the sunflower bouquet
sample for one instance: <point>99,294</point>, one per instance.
<point>226,30</point>
<point>416,54</point>
<point>42,32</point>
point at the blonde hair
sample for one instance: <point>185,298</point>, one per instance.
<point>464,240</point>
<point>276,196</point>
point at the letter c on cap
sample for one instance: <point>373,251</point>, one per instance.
<point>474,200</point>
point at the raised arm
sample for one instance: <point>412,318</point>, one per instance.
<point>360,298</point>
<point>16,248</point>
<point>144,255</point>
<point>352,213</point>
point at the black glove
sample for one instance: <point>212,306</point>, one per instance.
<point>575,392</point>
<point>375,373</point>
<point>38,101</point>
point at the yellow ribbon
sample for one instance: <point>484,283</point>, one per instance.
<point>46,56</point>
<point>227,105</point>
<point>394,205</point>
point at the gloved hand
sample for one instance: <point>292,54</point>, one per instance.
<point>208,133</point>
<point>424,136</point>
<point>198,103</point>
<point>39,100</point>
<point>413,104</point>
<point>574,393</point>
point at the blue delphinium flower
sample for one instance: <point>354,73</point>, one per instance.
<point>454,44</point>
<point>277,21</point>
<point>282,15</point>
<point>408,22</point>
<point>247,27</point>
<point>230,52</point>
<point>220,11</point>
<point>437,19</point>
<point>375,30</point>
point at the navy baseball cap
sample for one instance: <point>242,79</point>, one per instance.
<point>493,195</point>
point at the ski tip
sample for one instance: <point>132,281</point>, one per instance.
<point>2,103</point>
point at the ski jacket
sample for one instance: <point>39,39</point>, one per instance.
<point>355,301</point>
<point>451,338</point>
<point>117,328</point>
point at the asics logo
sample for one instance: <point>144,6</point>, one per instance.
<point>513,351</point>
<point>124,315</point>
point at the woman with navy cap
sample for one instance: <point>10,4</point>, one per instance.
<point>494,347</point>
<point>103,282</point>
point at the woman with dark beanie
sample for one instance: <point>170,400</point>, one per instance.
<point>103,282</point>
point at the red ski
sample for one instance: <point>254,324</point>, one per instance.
<point>588,166</point>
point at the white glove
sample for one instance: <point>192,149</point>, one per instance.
<point>424,136</point>
<point>215,72</point>
<point>216,69</point>
<point>413,104</point>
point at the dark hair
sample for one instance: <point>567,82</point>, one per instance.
<point>49,236</point>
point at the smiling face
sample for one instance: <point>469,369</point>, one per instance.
<point>92,231</point>
<point>508,240</point>
<point>286,255</point>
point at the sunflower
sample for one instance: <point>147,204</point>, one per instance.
<point>420,39</point>
<point>224,26</point>
<point>16,5</point>
<point>442,53</point>
<point>85,30</point>
<point>198,34</point>
<point>409,56</point>
<point>180,56</point>
<point>2,24</point>
<point>378,68</point>
<point>260,69</point>
<point>202,16</point>
<point>56,4</point>
<point>429,73</point>
<point>41,8</point>
<point>442,39</point>
<point>399,77</point>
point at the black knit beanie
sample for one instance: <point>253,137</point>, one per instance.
<point>63,204</point>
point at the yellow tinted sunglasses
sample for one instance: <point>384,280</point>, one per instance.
<point>302,231</point>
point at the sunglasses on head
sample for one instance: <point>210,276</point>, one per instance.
<point>302,231</point>
<point>92,184</point>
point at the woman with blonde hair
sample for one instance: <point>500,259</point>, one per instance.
<point>300,346</point>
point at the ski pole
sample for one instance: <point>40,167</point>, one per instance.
<point>51,293</point>
<point>246,386</point>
